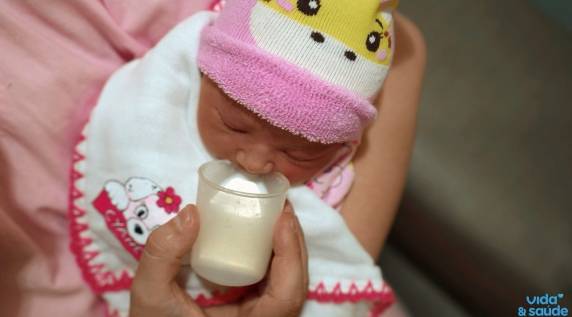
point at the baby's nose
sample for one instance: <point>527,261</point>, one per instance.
<point>254,161</point>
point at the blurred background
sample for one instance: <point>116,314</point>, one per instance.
<point>486,218</point>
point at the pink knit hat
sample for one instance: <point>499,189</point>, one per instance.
<point>310,67</point>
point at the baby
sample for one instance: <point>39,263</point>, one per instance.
<point>268,85</point>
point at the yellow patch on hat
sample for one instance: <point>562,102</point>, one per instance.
<point>364,26</point>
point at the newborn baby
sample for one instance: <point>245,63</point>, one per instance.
<point>268,85</point>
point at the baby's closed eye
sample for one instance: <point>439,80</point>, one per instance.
<point>305,156</point>
<point>228,124</point>
<point>234,128</point>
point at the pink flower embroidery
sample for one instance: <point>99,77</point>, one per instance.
<point>168,200</point>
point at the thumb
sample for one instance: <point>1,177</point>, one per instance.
<point>163,254</point>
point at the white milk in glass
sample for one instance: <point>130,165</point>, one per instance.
<point>234,244</point>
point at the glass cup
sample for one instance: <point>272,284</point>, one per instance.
<point>237,219</point>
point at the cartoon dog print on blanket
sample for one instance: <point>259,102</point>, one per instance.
<point>135,208</point>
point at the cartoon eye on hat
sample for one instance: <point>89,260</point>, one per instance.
<point>309,7</point>
<point>373,41</point>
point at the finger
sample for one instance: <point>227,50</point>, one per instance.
<point>301,241</point>
<point>162,256</point>
<point>288,281</point>
<point>303,251</point>
<point>304,255</point>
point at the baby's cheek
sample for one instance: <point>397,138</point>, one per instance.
<point>216,143</point>
<point>223,148</point>
<point>297,174</point>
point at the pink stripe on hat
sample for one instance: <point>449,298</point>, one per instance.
<point>282,93</point>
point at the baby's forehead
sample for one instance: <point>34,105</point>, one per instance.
<point>233,111</point>
<point>241,114</point>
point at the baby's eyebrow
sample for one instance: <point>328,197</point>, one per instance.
<point>236,114</point>
<point>379,22</point>
<point>308,148</point>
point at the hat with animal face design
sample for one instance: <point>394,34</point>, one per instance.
<point>311,67</point>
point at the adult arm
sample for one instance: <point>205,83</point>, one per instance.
<point>382,161</point>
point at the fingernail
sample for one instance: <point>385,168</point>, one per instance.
<point>293,223</point>
<point>288,207</point>
<point>187,215</point>
<point>183,218</point>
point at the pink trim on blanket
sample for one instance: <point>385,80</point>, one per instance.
<point>221,298</point>
<point>95,275</point>
<point>381,299</point>
<point>216,5</point>
<point>110,312</point>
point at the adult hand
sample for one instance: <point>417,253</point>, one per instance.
<point>156,293</point>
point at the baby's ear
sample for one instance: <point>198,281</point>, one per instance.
<point>117,194</point>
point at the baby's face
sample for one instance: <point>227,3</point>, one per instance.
<point>232,132</point>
